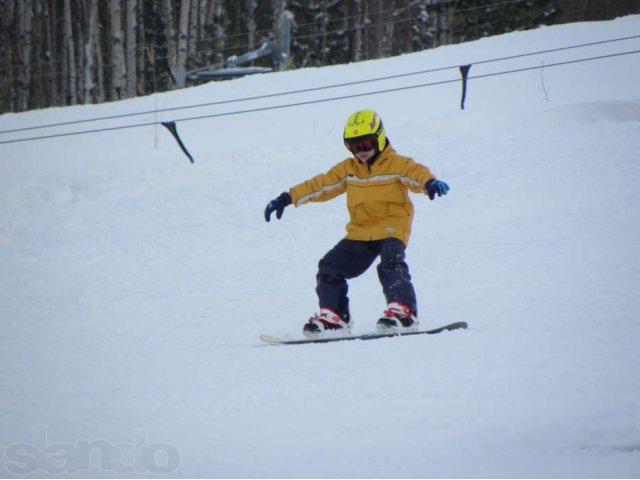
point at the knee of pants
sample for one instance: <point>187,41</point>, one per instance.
<point>329,278</point>
<point>327,270</point>
<point>393,259</point>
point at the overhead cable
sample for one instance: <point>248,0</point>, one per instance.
<point>313,89</point>
<point>322,100</point>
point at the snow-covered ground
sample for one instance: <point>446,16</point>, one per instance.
<point>134,285</point>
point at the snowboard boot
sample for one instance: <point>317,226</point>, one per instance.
<point>397,317</point>
<point>326,323</point>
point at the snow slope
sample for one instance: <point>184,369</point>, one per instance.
<point>134,285</point>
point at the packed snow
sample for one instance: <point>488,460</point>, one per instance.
<point>134,284</point>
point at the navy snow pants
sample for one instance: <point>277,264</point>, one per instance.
<point>350,259</point>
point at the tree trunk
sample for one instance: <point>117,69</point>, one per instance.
<point>142,66</point>
<point>183,45</point>
<point>131,44</point>
<point>118,68</point>
<point>202,48</point>
<point>284,23</point>
<point>169,23</point>
<point>90,49</point>
<point>377,31</point>
<point>445,24</point>
<point>100,92</point>
<point>25,47</point>
<point>37,55</point>
<point>77,21</point>
<point>390,28</point>
<point>219,30</point>
<point>323,54</point>
<point>57,78</point>
<point>6,58</point>
<point>194,34</point>
<point>70,93</point>
<point>251,6</point>
<point>354,27</point>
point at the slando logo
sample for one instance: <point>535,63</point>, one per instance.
<point>91,455</point>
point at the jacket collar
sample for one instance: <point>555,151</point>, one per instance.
<point>380,157</point>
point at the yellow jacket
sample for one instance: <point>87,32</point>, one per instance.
<point>377,195</point>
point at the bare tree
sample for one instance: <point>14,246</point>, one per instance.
<point>131,48</point>
<point>168,21</point>
<point>389,18</point>
<point>219,29</point>
<point>90,74</point>
<point>194,34</point>
<point>250,6</point>
<point>25,21</point>
<point>118,67</point>
<point>69,65</point>
<point>354,28</point>
<point>50,76</point>
<point>183,45</point>
<point>145,58</point>
<point>59,52</point>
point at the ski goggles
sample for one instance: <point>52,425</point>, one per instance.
<point>362,144</point>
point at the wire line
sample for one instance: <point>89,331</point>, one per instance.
<point>311,102</point>
<point>312,89</point>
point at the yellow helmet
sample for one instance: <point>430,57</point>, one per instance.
<point>365,123</point>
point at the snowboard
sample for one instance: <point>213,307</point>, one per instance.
<point>366,336</point>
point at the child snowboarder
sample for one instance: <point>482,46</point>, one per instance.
<point>377,180</point>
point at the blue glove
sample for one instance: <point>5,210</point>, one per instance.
<point>277,205</point>
<point>436,187</point>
